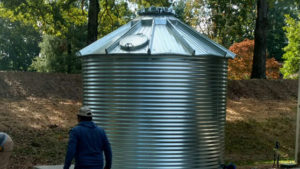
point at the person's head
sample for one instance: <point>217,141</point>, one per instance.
<point>84,114</point>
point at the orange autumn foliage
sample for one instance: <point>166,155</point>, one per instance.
<point>240,67</point>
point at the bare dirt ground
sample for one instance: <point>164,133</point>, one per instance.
<point>39,128</point>
<point>38,110</point>
<point>259,110</point>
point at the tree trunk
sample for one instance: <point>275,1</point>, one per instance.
<point>93,21</point>
<point>259,58</point>
<point>70,59</point>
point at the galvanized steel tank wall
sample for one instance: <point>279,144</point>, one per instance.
<point>159,112</point>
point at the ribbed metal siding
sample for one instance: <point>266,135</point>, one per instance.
<point>165,112</point>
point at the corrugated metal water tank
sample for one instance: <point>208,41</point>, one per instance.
<point>158,88</point>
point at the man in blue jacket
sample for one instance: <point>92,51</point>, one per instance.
<point>87,142</point>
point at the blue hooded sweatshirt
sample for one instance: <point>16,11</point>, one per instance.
<point>87,142</point>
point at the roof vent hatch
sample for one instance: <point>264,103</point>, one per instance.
<point>134,42</point>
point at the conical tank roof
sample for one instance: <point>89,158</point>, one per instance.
<point>156,32</point>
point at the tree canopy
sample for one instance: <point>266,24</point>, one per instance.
<point>276,39</point>
<point>18,45</point>
<point>62,26</point>
<point>292,50</point>
<point>49,17</point>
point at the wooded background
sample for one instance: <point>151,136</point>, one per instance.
<point>44,35</point>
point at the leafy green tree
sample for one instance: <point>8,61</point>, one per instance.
<point>195,13</point>
<point>18,45</point>
<point>261,29</point>
<point>113,15</point>
<point>225,22</point>
<point>51,17</point>
<point>276,39</point>
<point>61,24</point>
<point>179,9</point>
<point>57,56</point>
<point>292,50</point>
<point>232,21</point>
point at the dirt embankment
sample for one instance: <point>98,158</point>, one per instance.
<point>66,86</point>
<point>42,85</point>
<point>263,89</point>
<point>38,110</point>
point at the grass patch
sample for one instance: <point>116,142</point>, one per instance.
<point>251,142</point>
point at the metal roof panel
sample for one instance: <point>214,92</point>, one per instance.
<point>165,35</point>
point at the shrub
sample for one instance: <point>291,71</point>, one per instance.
<point>240,67</point>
